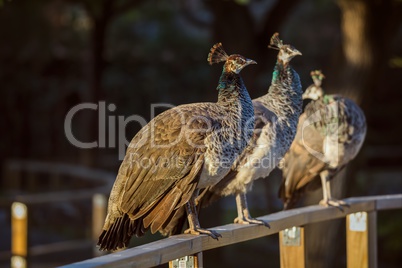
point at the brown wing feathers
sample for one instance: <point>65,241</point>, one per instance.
<point>119,233</point>
<point>175,199</point>
<point>300,167</point>
<point>150,195</point>
<point>157,216</point>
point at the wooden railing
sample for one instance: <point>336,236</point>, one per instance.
<point>24,176</point>
<point>361,229</point>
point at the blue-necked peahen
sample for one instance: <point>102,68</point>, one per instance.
<point>277,114</point>
<point>177,153</point>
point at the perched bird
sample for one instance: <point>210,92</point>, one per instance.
<point>276,117</point>
<point>331,132</point>
<point>178,152</point>
<point>277,114</point>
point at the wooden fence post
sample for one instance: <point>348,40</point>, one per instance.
<point>19,235</point>
<point>291,245</point>
<point>361,239</point>
<point>98,218</point>
<point>193,261</point>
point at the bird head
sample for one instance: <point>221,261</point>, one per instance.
<point>286,52</point>
<point>233,63</point>
<point>315,91</point>
<point>317,77</point>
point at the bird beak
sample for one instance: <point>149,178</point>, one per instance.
<point>248,62</point>
<point>296,52</point>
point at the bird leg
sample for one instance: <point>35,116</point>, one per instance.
<point>193,223</point>
<point>243,215</point>
<point>326,191</point>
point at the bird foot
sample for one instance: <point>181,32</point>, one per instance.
<point>250,220</point>
<point>334,203</point>
<point>198,231</point>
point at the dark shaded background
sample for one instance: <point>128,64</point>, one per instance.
<point>55,54</point>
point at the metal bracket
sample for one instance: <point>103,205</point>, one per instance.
<point>291,236</point>
<point>184,262</point>
<point>358,221</point>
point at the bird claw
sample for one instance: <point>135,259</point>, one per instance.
<point>250,220</point>
<point>335,203</point>
<point>198,231</point>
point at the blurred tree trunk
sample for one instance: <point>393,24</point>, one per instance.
<point>101,17</point>
<point>102,14</point>
<point>367,27</point>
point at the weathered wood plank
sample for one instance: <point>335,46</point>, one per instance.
<point>19,229</point>
<point>174,247</point>
<point>291,247</point>
<point>65,246</point>
<point>193,261</point>
<point>19,235</point>
<point>357,240</point>
<point>102,180</point>
<point>46,198</point>
<point>361,239</point>
<point>372,239</point>
<point>389,202</point>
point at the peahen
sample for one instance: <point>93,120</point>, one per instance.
<point>177,153</point>
<point>331,132</point>
<point>277,114</point>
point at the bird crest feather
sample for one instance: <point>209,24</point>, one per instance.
<point>275,42</point>
<point>217,54</point>
<point>317,74</point>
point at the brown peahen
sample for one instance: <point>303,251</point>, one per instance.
<point>331,132</point>
<point>277,114</point>
<point>177,153</point>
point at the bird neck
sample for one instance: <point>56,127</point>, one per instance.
<point>284,96</point>
<point>327,99</point>
<point>282,72</point>
<point>231,88</point>
<point>234,98</point>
